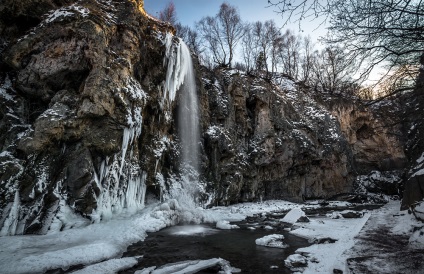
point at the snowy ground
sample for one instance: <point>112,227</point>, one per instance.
<point>385,245</point>
<point>100,246</point>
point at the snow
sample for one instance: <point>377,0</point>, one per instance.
<point>87,245</point>
<point>273,240</point>
<point>4,87</point>
<point>223,224</point>
<point>418,173</point>
<point>106,241</point>
<point>293,216</point>
<point>295,260</point>
<point>67,11</point>
<point>329,255</point>
<point>109,267</point>
<point>421,159</point>
<point>416,241</point>
<point>189,267</point>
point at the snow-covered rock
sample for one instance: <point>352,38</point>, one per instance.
<point>296,260</point>
<point>416,241</point>
<point>223,224</point>
<point>273,240</point>
<point>293,216</point>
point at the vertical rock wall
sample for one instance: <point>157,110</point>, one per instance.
<point>86,119</point>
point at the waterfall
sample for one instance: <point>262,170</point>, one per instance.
<point>188,115</point>
<point>180,77</point>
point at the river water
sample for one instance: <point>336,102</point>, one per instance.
<point>193,242</point>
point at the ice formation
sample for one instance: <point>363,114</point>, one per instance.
<point>120,178</point>
<point>178,62</point>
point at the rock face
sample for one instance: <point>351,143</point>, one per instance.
<point>79,89</point>
<point>271,142</point>
<point>89,93</point>
<point>372,134</point>
<point>413,120</point>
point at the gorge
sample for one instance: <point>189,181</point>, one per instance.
<point>104,115</point>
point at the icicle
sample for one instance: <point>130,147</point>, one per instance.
<point>179,63</point>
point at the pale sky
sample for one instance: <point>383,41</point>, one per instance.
<point>191,11</point>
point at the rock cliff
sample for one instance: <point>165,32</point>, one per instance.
<point>89,92</point>
<point>413,122</point>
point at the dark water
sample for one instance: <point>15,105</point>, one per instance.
<point>236,246</point>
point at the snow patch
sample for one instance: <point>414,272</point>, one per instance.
<point>421,159</point>
<point>4,87</point>
<point>67,11</point>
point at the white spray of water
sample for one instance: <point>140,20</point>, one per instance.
<point>188,114</point>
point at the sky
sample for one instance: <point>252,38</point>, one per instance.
<point>191,11</point>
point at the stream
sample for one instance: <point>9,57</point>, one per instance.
<point>192,242</point>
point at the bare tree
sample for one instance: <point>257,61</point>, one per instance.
<point>306,60</point>
<point>190,37</point>
<point>261,45</point>
<point>169,14</point>
<point>222,33</point>
<point>372,31</point>
<point>331,71</point>
<point>274,38</point>
<point>290,54</point>
<point>249,48</point>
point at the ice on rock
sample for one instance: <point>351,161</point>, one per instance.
<point>293,216</point>
<point>178,60</point>
<point>118,196</point>
<point>223,224</point>
<point>273,240</point>
<point>66,218</point>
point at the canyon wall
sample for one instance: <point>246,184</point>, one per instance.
<point>89,93</point>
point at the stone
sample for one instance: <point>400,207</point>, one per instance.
<point>296,260</point>
<point>351,214</point>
